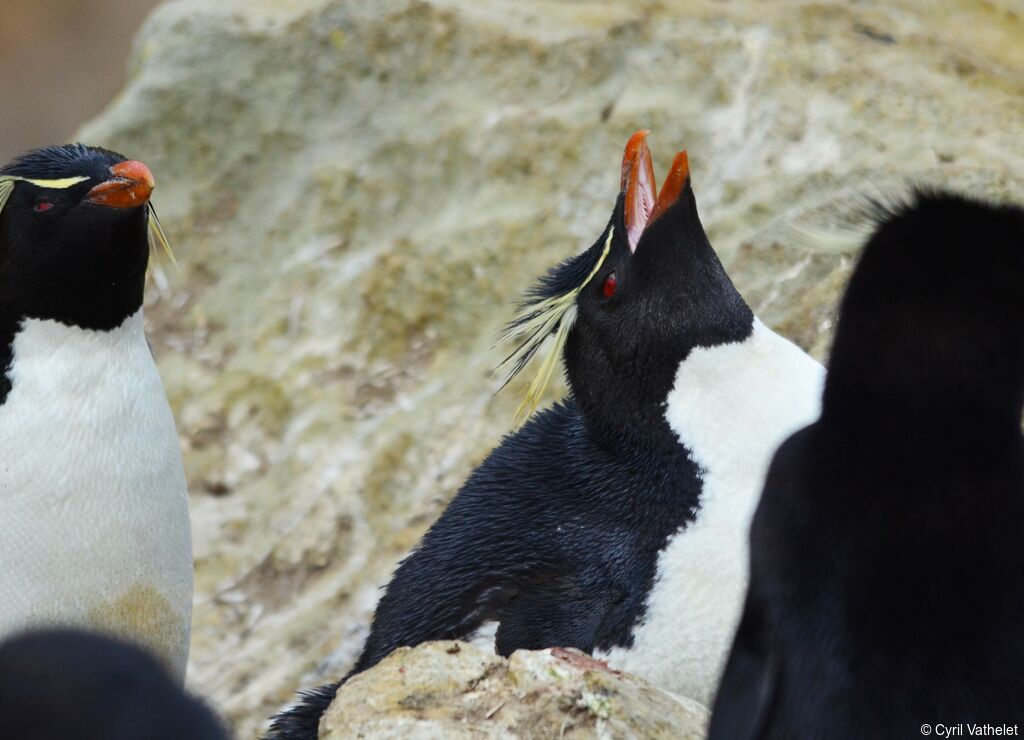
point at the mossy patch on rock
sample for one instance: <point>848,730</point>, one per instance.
<point>456,690</point>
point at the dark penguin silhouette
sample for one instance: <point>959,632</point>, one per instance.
<point>93,500</point>
<point>614,522</point>
<point>73,685</point>
<point>887,552</point>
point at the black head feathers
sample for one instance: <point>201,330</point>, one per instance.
<point>72,685</point>
<point>70,173</point>
<point>58,162</point>
<point>629,308</point>
<point>935,309</point>
<point>75,230</point>
<point>550,307</point>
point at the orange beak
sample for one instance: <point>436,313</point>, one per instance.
<point>130,186</point>
<point>643,202</point>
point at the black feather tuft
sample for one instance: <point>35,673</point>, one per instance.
<point>544,310</point>
<point>302,722</point>
<point>562,279</point>
<point>566,276</point>
<point>60,161</point>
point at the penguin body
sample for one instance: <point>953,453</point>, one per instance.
<point>886,588</point>
<point>730,407</point>
<point>591,527</point>
<point>73,685</point>
<point>94,502</point>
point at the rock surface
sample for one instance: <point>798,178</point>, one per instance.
<point>358,190</point>
<point>454,690</point>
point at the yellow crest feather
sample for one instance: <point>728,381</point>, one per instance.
<point>157,237</point>
<point>6,188</point>
<point>533,324</point>
<point>58,184</point>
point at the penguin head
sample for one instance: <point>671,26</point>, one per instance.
<point>631,308</point>
<point>65,683</point>
<point>934,312</point>
<point>74,242</point>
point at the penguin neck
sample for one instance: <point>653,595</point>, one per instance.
<point>733,401</point>
<point>16,330</point>
<point>617,413</point>
<point>638,433</point>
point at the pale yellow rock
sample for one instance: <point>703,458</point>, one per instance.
<point>455,690</point>
<point>358,190</point>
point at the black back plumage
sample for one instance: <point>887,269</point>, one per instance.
<point>887,573</point>
<point>556,535</point>
<point>75,263</point>
<point>73,685</point>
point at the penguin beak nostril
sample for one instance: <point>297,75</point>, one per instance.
<point>643,201</point>
<point>130,186</point>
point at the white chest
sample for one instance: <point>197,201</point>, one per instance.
<point>93,500</point>
<point>731,406</point>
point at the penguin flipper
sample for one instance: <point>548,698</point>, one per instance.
<point>746,694</point>
<point>555,611</point>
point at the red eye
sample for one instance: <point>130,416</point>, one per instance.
<point>43,206</point>
<point>609,286</point>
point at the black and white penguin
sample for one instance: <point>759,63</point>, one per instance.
<point>93,502</point>
<point>74,685</point>
<point>614,522</point>
<point>887,580</point>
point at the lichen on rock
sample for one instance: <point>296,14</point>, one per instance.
<point>457,690</point>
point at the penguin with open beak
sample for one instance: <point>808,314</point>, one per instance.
<point>94,524</point>
<point>886,595</point>
<point>615,521</point>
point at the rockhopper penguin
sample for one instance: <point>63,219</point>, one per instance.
<point>93,502</point>
<point>616,521</point>
<point>887,553</point>
<point>73,685</point>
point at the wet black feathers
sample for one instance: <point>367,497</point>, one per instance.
<point>588,524</point>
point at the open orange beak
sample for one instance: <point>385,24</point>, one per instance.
<point>130,185</point>
<point>643,202</point>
